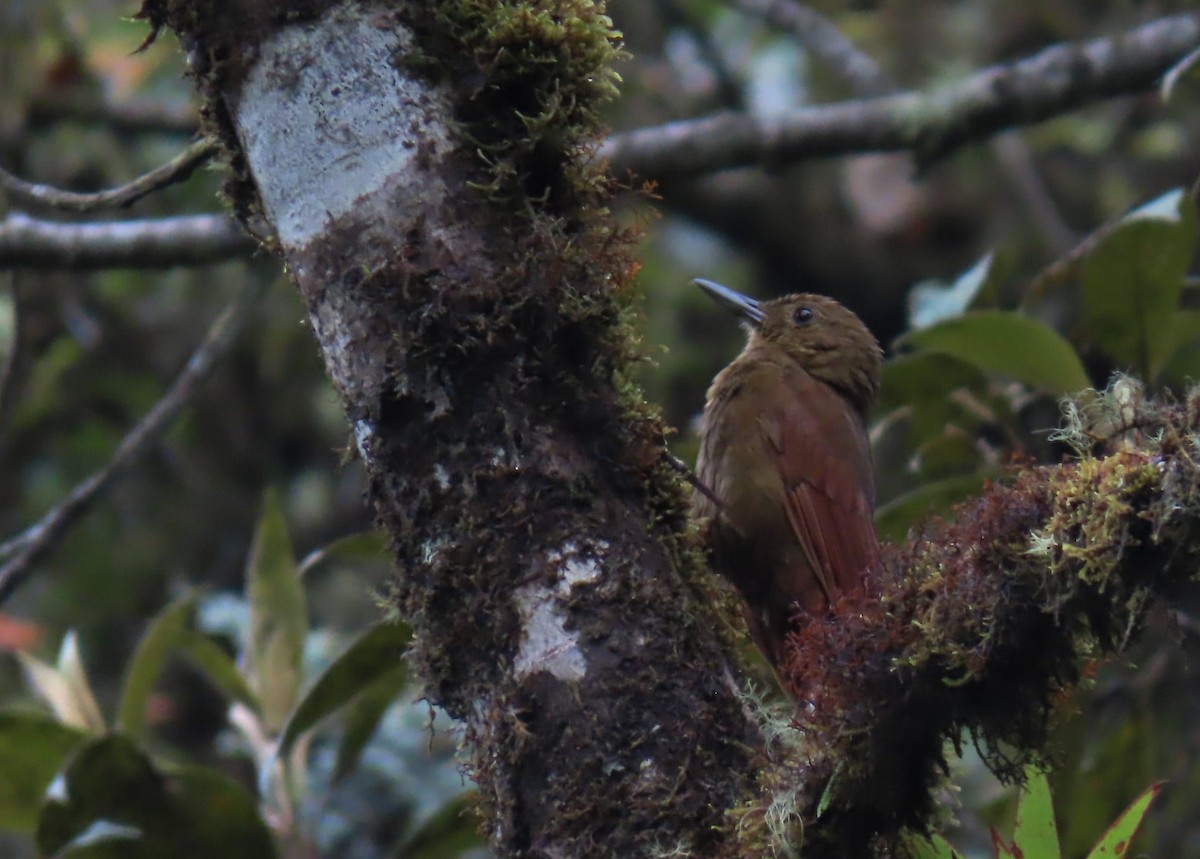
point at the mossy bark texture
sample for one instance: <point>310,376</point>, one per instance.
<point>423,170</point>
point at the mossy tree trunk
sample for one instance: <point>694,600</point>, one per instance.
<point>422,169</point>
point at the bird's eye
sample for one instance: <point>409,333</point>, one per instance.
<point>802,316</point>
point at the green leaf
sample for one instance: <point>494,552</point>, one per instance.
<point>1004,849</point>
<point>935,848</point>
<point>1132,281</point>
<point>33,747</point>
<point>449,832</point>
<point>70,665</point>
<point>1009,344</point>
<point>64,687</point>
<point>278,617</point>
<point>930,302</point>
<point>109,780</point>
<point>217,666</point>
<point>1116,841</point>
<point>378,652</point>
<point>1181,346</point>
<point>366,545</point>
<point>893,519</point>
<point>1035,833</point>
<point>362,720</point>
<point>112,801</point>
<point>162,637</point>
<point>103,839</point>
<point>951,454</point>
<point>44,390</point>
<point>921,376</point>
<point>922,383</point>
<point>1184,68</point>
<point>223,817</point>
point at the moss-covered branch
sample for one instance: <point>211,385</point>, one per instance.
<point>981,626</point>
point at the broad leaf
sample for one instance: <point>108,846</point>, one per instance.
<point>362,719</point>
<point>922,383</point>
<point>935,848</point>
<point>1035,833</point>
<point>108,780</point>
<point>64,687</point>
<point>103,839</point>
<point>33,747</point>
<point>1182,69</point>
<point>1007,344</point>
<point>217,666</point>
<point>163,636</point>
<point>223,818</point>
<point>366,545</point>
<point>70,665</point>
<point>449,832</point>
<point>893,519</point>
<point>1133,279</point>
<point>1004,849</point>
<point>1116,841</point>
<point>951,454</point>
<point>378,652</point>
<point>278,617</point>
<point>931,302</point>
<point>112,801</point>
<point>1181,348</point>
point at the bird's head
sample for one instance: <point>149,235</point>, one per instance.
<point>816,332</point>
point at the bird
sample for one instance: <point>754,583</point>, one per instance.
<point>785,489</point>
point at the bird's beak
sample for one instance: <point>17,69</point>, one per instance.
<point>742,305</point>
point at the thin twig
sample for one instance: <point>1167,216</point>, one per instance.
<point>9,374</point>
<point>131,117</point>
<point>690,476</point>
<point>154,243</point>
<point>866,79</point>
<point>931,125</point>
<point>1015,155</point>
<point>729,91</point>
<point>177,169</point>
<point>31,545</point>
<point>825,41</point>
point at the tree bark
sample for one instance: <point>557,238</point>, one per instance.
<point>466,292</point>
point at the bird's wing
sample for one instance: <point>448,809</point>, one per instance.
<point>820,448</point>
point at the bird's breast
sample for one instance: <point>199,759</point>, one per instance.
<point>749,535</point>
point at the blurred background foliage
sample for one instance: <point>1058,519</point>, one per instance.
<point>999,279</point>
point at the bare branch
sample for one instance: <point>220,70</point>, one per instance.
<point>177,169</point>
<point>822,37</point>
<point>157,243</point>
<point>864,77</point>
<point>1016,156</point>
<point>31,545</point>
<point>932,124</point>
<point>135,117</point>
<point>728,90</point>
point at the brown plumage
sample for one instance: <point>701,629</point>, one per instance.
<point>785,455</point>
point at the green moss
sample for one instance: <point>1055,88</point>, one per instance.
<point>981,627</point>
<point>531,79</point>
<point>555,328</point>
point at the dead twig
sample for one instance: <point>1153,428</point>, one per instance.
<point>23,551</point>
